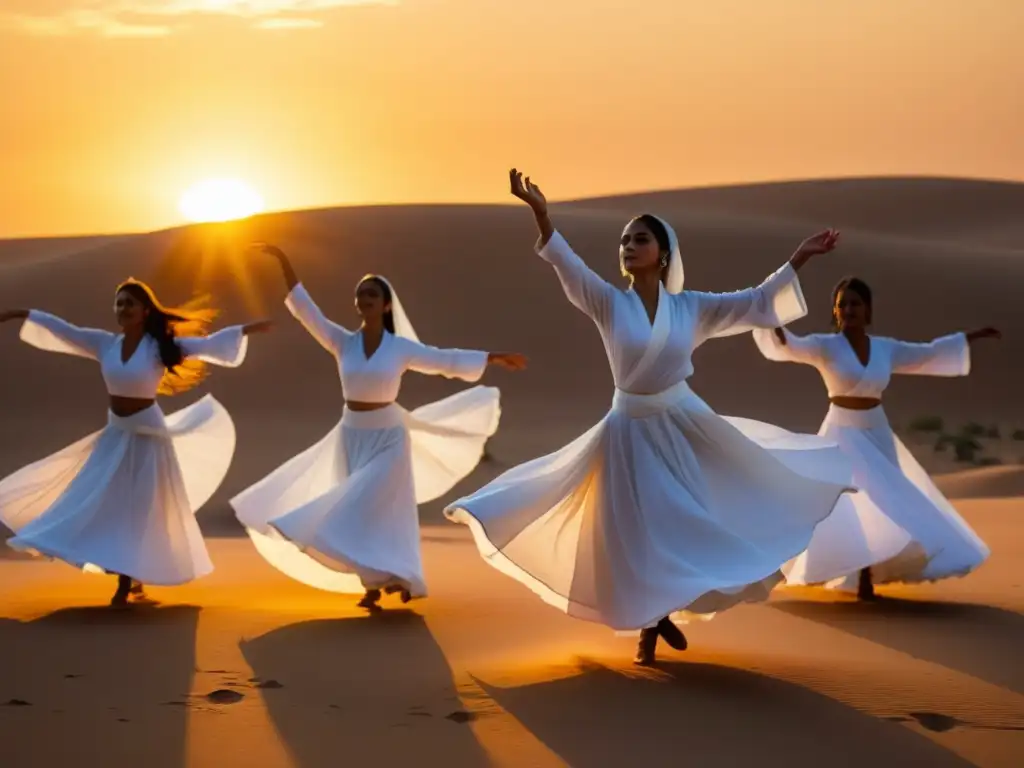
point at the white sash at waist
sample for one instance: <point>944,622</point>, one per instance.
<point>638,406</point>
<point>871,418</point>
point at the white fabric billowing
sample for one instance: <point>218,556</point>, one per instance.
<point>341,516</point>
<point>123,499</point>
<point>899,523</point>
<point>664,507</point>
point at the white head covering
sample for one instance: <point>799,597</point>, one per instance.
<point>674,278</point>
<point>403,327</point>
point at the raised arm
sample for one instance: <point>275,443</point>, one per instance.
<point>226,347</point>
<point>330,335</point>
<point>945,356</point>
<point>776,302</point>
<point>587,292</point>
<point>52,334</point>
<point>781,346</point>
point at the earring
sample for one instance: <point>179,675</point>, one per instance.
<point>664,261</point>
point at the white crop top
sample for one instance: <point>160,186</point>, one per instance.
<point>140,376</point>
<point>379,378</point>
<point>844,374</point>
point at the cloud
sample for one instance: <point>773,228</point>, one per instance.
<point>155,18</point>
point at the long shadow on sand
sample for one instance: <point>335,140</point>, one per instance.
<point>92,686</point>
<point>978,640</point>
<point>362,691</point>
<point>709,716</point>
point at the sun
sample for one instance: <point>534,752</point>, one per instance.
<point>219,200</point>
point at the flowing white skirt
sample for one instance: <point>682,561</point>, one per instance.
<point>662,508</point>
<point>899,523</point>
<point>341,516</point>
<point>123,499</point>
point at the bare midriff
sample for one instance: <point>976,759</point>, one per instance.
<point>355,405</point>
<point>856,403</point>
<point>129,406</point>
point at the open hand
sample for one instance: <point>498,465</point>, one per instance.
<point>510,361</point>
<point>267,248</point>
<point>985,333</point>
<point>823,242</point>
<point>527,191</point>
<point>261,326</point>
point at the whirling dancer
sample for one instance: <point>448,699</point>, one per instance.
<point>341,516</point>
<point>898,527</point>
<point>123,499</point>
<point>664,509</point>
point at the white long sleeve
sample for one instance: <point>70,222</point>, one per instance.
<point>226,347</point>
<point>52,334</point>
<point>588,292</point>
<point>944,356</point>
<point>776,302</point>
<point>329,334</point>
<point>468,365</point>
<point>797,349</point>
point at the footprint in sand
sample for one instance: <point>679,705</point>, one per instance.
<point>224,696</point>
<point>18,703</point>
<point>940,723</point>
<point>460,716</point>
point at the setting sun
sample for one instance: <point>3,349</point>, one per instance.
<point>219,200</point>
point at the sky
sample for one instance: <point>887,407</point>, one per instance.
<point>110,109</point>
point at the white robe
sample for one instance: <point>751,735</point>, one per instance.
<point>899,523</point>
<point>664,507</point>
<point>341,516</point>
<point>123,499</point>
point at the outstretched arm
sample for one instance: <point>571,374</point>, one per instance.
<point>52,334</point>
<point>468,365</point>
<point>776,302</point>
<point>330,335</point>
<point>781,346</point>
<point>226,347</point>
<point>945,356</point>
<point>583,287</point>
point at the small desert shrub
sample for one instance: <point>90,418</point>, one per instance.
<point>993,432</point>
<point>1018,434</point>
<point>965,447</point>
<point>973,429</point>
<point>926,424</point>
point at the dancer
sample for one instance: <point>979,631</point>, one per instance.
<point>898,527</point>
<point>664,510</point>
<point>123,500</point>
<point>341,516</point>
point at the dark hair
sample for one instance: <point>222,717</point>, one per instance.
<point>380,282</point>
<point>165,325</point>
<point>657,228</point>
<point>858,286</point>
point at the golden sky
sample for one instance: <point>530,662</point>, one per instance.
<point>109,109</point>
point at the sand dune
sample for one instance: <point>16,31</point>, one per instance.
<point>468,277</point>
<point>983,483</point>
<point>482,672</point>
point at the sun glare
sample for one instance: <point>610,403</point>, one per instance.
<point>219,200</point>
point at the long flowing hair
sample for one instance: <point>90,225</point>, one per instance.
<point>165,324</point>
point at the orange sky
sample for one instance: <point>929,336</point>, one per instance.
<point>109,109</point>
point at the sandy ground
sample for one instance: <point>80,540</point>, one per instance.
<point>246,667</point>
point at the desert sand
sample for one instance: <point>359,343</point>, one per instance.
<point>246,667</point>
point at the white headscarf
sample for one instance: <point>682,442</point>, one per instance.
<point>403,326</point>
<point>674,277</point>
